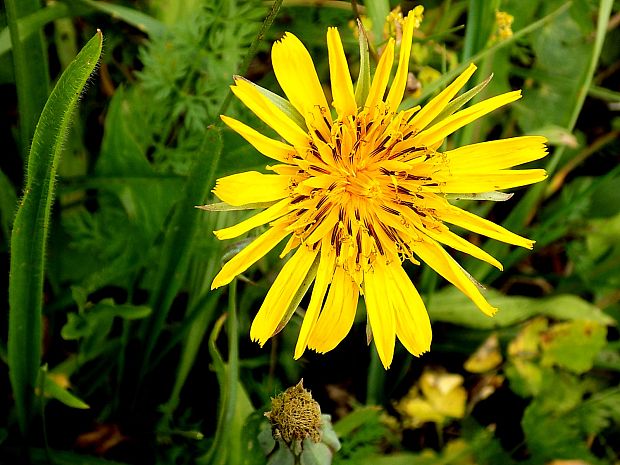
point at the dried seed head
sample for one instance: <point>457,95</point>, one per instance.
<point>295,415</point>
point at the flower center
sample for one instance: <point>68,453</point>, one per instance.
<point>363,184</point>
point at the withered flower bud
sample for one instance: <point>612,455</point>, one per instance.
<point>295,416</point>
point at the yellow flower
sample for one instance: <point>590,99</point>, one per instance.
<point>437,397</point>
<point>503,24</point>
<point>360,190</point>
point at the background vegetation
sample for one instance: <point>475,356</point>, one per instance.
<point>117,352</point>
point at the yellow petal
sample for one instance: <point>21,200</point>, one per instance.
<point>281,294</point>
<point>496,154</point>
<point>342,86</point>
<point>265,145</point>
<point>458,243</point>
<point>270,214</point>
<point>381,77</point>
<point>337,315</point>
<point>270,113</point>
<point>251,187</point>
<point>413,326</point>
<point>323,278</point>
<point>380,313</point>
<point>248,256</point>
<point>438,259</point>
<point>297,76</point>
<point>395,95</point>
<point>476,183</point>
<point>440,130</point>
<point>437,104</point>
<point>464,219</point>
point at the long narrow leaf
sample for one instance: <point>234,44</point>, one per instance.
<point>31,225</point>
<point>31,74</point>
<point>179,236</point>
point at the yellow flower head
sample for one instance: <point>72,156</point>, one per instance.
<point>503,24</point>
<point>358,191</point>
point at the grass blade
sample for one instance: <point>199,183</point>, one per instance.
<point>178,239</point>
<point>31,73</point>
<point>451,75</point>
<point>523,211</point>
<point>137,19</point>
<point>30,229</point>
<point>176,250</point>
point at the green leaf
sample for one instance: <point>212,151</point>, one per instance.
<point>97,320</point>
<point>282,456</point>
<point>8,204</point>
<point>224,207</point>
<point>362,87</point>
<point>32,23</point>
<point>573,345</point>
<point>554,410</point>
<point>357,418</point>
<point>451,306</point>
<point>377,11</point>
<point>282,104</point>
<point>315,453</point>
<point>54,390</point>
<point>31,71</point>
<point>28,242</point>
<point>139,20</point>
<point>493,196</point>
<point>461,100</point>
<point>180,233</point>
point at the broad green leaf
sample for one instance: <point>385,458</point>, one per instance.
<point>282,456</point>
<point>28,241</point>
<point>525,377</point>
<point>573,345</point>
<point>315,453</point>
<point>554,411</point>
<point>452,306</point>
